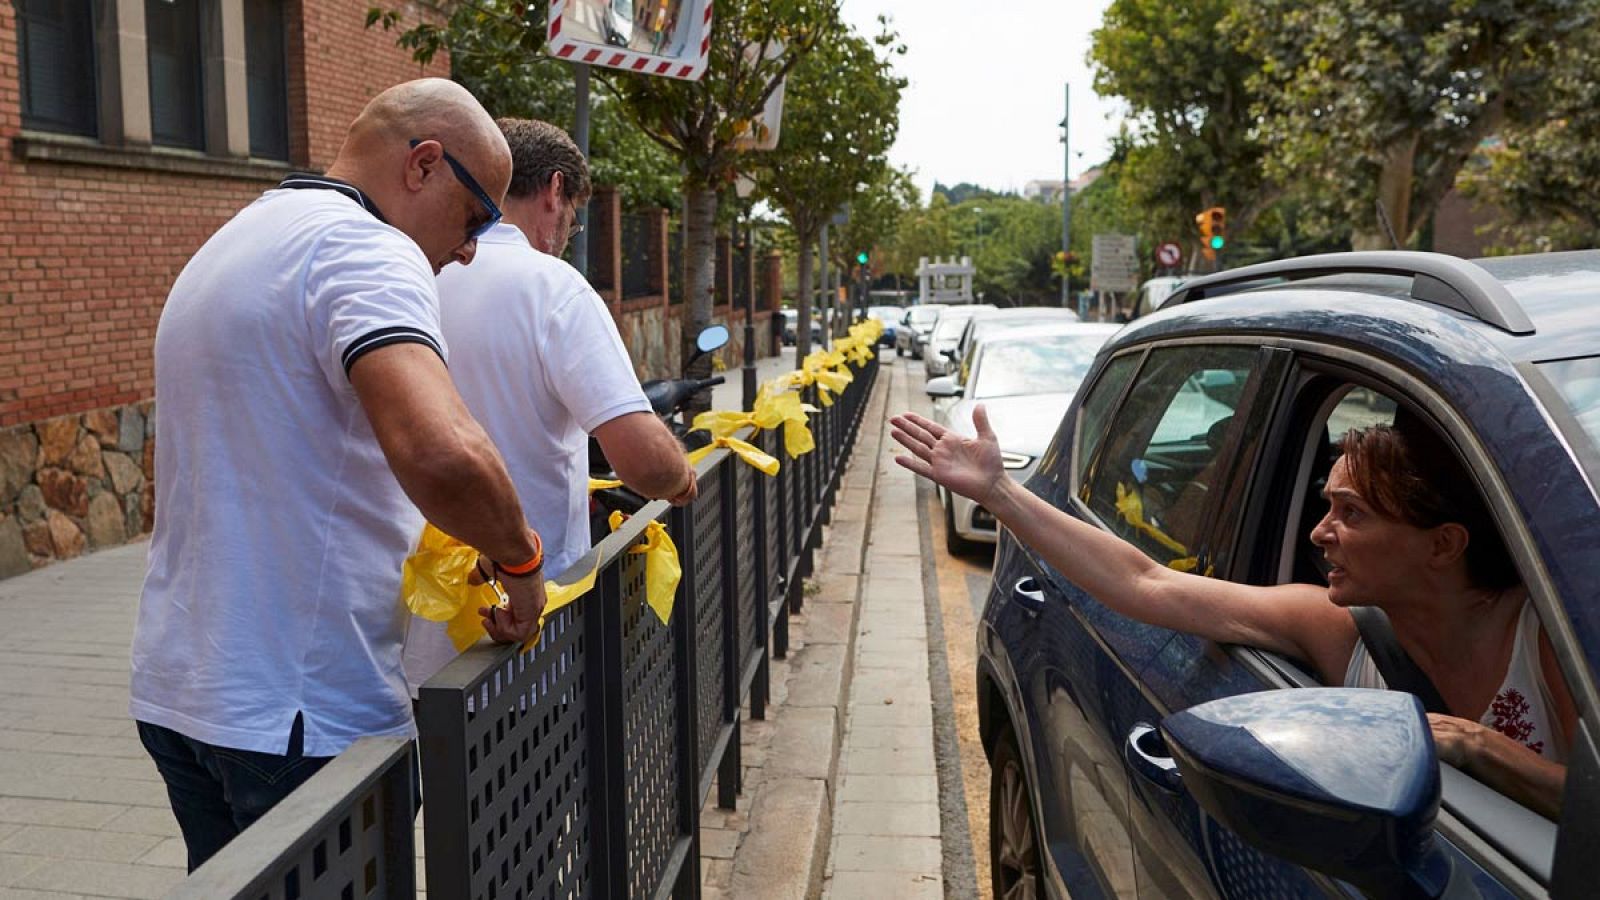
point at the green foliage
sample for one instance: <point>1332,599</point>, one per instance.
<point>496,51</point>
<point>1385,100</point>
<point>965,191</point>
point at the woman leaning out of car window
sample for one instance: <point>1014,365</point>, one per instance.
<point>1405,532</point>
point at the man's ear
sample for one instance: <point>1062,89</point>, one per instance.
<point>422,161</point>
<point>555,192</point>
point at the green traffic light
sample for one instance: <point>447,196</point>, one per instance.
<point>1217,241</point>
<point>862,257</point>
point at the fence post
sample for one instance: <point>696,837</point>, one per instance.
<point>685,637</point>
<point>730,771</point>
<point>760,685</point>
<point>608,772</point>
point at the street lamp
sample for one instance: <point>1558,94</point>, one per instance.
<point>1066,194</point>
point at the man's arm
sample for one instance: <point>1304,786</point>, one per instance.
<point>447,465</point>
<point>647,457</point>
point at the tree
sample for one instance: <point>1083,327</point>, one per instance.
<point>841,113</point>
<point>1192,143</point>
<point>1377,104</point>
<point>876,215</point>
<point>495,49</point>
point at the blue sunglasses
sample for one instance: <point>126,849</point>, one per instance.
<point>471,184</point>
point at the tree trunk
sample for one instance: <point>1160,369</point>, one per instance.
<point>802,325</point>
<point>1394,194</point>
<point>699,265</point>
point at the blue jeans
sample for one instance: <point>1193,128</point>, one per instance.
<point>217,792</point>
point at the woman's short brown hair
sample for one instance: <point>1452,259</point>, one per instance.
<point>1408,473</point>
<point>538,151</point>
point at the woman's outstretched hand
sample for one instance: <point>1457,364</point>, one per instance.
<point>968,466</point>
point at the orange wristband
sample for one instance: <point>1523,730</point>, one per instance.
<point>533,564</point>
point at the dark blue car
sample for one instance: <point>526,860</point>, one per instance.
<point>1135,761</point>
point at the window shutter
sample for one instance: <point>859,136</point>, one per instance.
<point>56,56</point>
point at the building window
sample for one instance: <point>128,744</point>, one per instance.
<point>56,53</point>
<point>266,71</point>
<point>177,85</point>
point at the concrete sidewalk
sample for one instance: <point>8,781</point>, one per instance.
<point>841,784</point>
<point>83,812</point>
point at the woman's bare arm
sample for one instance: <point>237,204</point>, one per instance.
<point>1295,620</point>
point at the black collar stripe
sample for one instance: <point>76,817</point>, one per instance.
<point>303,181</point>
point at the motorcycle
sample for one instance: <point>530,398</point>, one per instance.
<point>668,398</point>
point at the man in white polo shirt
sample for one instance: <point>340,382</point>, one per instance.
<point>304,416</point>
<point>538,360</point>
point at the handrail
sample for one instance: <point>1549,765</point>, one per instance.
<point>1437,278</point>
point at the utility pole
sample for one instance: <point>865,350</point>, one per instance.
<point>1066,197</point>
<point>580,128</point>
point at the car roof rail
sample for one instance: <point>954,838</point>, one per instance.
<point>1436,278</point>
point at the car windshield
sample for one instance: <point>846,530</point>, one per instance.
<point>949,327</point>
<point>885,313</point>
<point>924,315</point>
<point>1038,365</point>
<point>1578,380</point>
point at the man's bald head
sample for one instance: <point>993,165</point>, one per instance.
<point>378,156</point>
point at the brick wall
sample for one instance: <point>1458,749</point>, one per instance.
<point>90,248</point>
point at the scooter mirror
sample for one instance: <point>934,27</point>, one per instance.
<point>712,337</point>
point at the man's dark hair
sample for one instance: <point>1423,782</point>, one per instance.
<point>538,151</point>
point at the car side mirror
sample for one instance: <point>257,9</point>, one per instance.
<point>949,353</point>
<point>1340,780</point>
<point>943,386</point>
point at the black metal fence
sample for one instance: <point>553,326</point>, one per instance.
<point>637,256</point>
<point>579,768</point>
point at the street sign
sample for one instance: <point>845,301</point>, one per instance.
<point>1115,266</point>
<point>671,38</point>
<point>1169,255</point>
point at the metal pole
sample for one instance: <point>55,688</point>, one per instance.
<point>580,243</point>
<point>1066,194</point>
<point>750,320</point>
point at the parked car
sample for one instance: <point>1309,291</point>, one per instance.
<point>945,335</point>
<point>989,320</point>
<point>1025,377</point>
<point>1153,293</point>
<point>915,326</point>
<point>792,316</point>
<point>1130,760</point>
<point>890,317</point>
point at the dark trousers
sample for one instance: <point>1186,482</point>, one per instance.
<point>217,792</point>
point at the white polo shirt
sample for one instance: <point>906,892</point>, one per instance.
<point>274,570</point>
<point>539,363</point>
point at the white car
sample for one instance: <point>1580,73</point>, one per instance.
<point>946,332</point>
<point>915,326</point>
<point>1025,377</point>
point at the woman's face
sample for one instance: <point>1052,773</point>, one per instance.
<point>1374,559</point>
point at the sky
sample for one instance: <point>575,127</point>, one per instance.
<point>985,98</point>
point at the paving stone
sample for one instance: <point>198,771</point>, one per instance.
<point>873,853</point>
<point>817,676</point>
<point>65,813</point>
<point>82,843</point>
<point>888,789</point>
<point>913,759</point>
<point>828,622</point>
<point>783,854</point>
<point>105,878</point>
<point>718,843</point>
<point>888,819</point>
<point>806,743</point>
<point>16,866</point>
<point>896,885</point>
<point>172,853</point>
<point>147,820</point>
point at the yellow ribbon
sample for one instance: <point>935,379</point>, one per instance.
<point>1131,507</point>
<point>662,571</point>
<point>433,582</point>
<point>601,484</point>
<point>745,451</point>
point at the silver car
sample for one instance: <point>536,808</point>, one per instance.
<point>915,326</point>
<point>1025,377</point>
<point>992,320</point>
<point>946,332</point>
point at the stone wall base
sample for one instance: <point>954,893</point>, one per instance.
<point>75,483</point>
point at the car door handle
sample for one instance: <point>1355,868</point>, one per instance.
<point>1146,754</point>
<point>1026,594</point>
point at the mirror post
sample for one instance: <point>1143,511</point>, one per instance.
<point>750,325</point>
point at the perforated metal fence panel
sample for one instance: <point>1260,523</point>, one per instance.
<point>709,645</point>
<point>743,534</point>
<point>650,757</point>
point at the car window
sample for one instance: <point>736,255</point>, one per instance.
<point>1169,443</point>
<point>1578,381</point>
<point>1107,390</point>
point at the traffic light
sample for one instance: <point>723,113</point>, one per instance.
<point>861,258</point>
<point>1213,225</point>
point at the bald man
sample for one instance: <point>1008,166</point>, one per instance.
<point>304,417</point>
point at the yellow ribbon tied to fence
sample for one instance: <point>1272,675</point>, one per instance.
<point>434,584</point>
<point>601,484</point>
<point>781,405</point>
<point>828,371</point>
<point>746,451</point>
<point>662,570</point>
